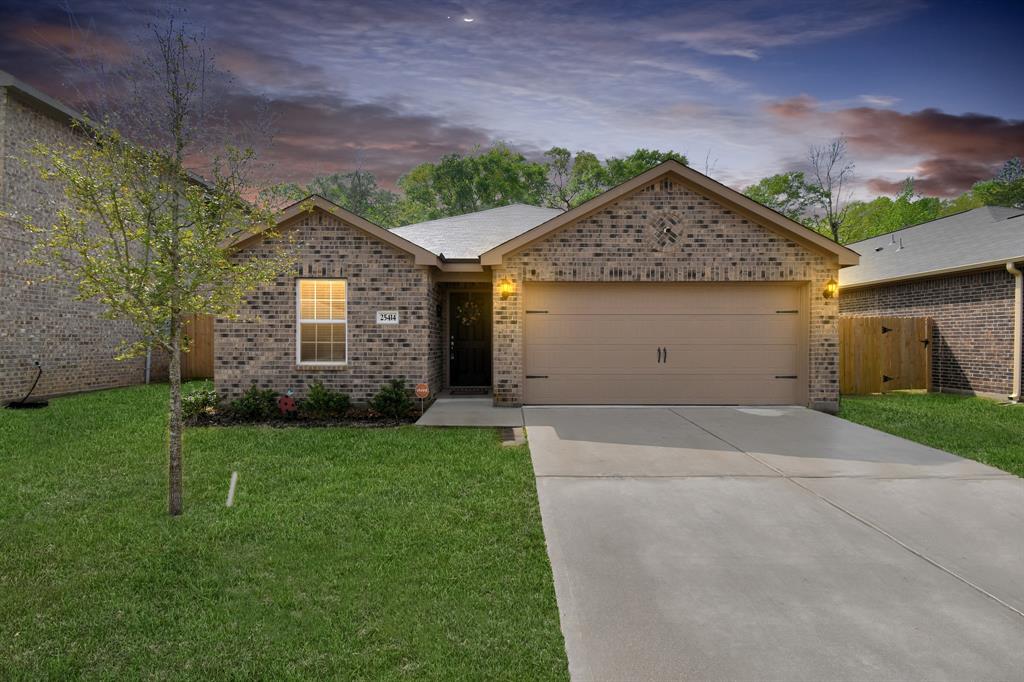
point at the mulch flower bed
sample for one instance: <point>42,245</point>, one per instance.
<point>356,416</point>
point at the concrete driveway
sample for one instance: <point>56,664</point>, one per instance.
<point>775,544</point>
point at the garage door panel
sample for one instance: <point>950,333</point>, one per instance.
<point>709,389</point>
<point>726,343</point>
<point>657,330</point>
<point>728,358</point>
<point>581,298</point>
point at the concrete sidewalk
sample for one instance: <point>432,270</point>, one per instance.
<point>733,543</point>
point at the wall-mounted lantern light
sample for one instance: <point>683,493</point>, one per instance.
<point>831,289</point>
<point>506,287</point>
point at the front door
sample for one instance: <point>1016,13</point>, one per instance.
<point>469,330</point>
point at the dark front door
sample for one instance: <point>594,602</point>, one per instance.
<point>469,343</point>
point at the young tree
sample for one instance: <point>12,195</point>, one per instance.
<point>788,193</point>
<point>139,232</point>
<point>833,172</point>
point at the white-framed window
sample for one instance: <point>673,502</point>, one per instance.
<point>321,334</point>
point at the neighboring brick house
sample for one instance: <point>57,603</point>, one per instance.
<point>953,270</point>
<point>670,288</point>
<point>39,320</point>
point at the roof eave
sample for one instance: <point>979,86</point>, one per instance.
<point>928,274</point>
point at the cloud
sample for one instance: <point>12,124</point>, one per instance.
<point>745,29</point>
<point>950,152</point>
<point>323,134</point>
<point>941,177</point>
<point>878,100</point>
<point>967,137</point>
<point>801,106</point>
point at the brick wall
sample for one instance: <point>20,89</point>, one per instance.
<point>972,337</point>
<point>40,320</point>
<point>616,245</point>
<point>260,346</point>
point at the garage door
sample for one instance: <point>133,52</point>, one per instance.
<point>664,343</point>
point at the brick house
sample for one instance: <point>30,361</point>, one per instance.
<point>670,288</point>
<point>963,272</point>
<point>39,320</point>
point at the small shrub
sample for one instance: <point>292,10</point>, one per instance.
<point>322,402</point>
<point>392,400</point>
<point>255,403</point>
<point>198,402</point>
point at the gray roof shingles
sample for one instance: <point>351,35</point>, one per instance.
<point>981,235</point>
<point>471,234</point>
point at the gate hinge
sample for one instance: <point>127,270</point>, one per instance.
<point>532,312</point>
<point>536,376</point>
<point>885,330</point>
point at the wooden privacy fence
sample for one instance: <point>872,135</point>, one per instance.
<point>198,362</point>
<point>879,354</point>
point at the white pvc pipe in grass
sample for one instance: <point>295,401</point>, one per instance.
<point>231,489</point>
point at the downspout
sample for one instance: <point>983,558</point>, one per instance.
<point>1018,320</point>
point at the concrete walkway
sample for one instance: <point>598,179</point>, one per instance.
<point>783,544</point>
<point>465,411</point>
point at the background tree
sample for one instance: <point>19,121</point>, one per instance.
<point>572,179</point>
<point>832,172</point>
<point>139,232</point>
<point>788,193</point>
<point>357,191</point>
<point>866,219</point>
<point>618,170</point>
<point>465,183</point>
<point>1006,189</point>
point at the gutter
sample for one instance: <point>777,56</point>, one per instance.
<point>1018,320</point>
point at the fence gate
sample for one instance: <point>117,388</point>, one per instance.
<point>198,362</point>
<point>879,354</point>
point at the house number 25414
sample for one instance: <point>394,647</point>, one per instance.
<point>387,317</point>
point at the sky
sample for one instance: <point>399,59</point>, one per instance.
<point>932,90</point>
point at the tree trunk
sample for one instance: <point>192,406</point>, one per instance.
<point>174,504</point>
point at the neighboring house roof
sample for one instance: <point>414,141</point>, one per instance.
<point>59,111</point>
<point>979,238</point>
<point>39,100</point>
<point>313,201</point>
<point>726,196</point>
<point>467,236</point>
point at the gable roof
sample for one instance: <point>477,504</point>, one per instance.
<point>979,238</point>
<point>467,236</point>
<point>728,197</point>
<point>422,256</point>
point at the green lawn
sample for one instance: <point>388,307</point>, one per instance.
<point>350,553</point>
<point>976,428</point>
